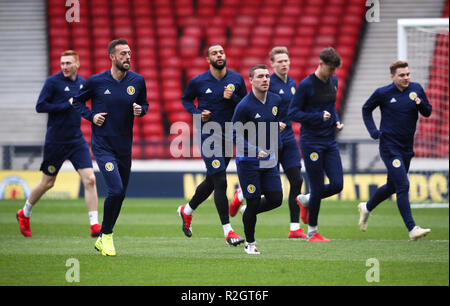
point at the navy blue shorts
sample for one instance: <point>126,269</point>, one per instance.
<point>56,154</point>
<point>255,181</point>
<point>289,155</point>
<point>113,156</point>
<point>217,162</point>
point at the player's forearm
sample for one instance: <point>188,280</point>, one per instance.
<point>47,107</point>
<point>370,124</point>
<point>82,109</point>
<point>189,106</point>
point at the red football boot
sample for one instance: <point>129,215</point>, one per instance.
<point>234,239</point>
<point>303,211</point>
<point>95,230</point>
<point>297,234</point>
<point>235,203</point>
<point>24,223</point>
<point>318,238</point>
<point>187,219</point>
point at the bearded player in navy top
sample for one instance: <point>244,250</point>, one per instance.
<point>118,95</point>
<point>313,105</point>
<point>257,151</point>
<point>63,140</point>
<point>217,90</point>
<point>400,103</point>
<point>289,156</point>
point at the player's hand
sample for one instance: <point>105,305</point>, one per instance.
<point>326,116</point>
<point>417,100</point>
<point>282,126</point>
<point>262,154</point>
<point>376,134</point>
<point>71,101</point>
<point>99,118</point>
<point>339,126</point>
<point>227,93</point>
<point>137,109</point>
<point>205,115</point>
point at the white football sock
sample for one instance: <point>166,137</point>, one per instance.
<point>304,199</point>
<point>27,209</point>
<point>93,217</point>
<point>188,210</point>
<point>226,229</point>
<point>364,206</point>
<point>312,229</point>
<point>240,196</point>
<point>242,209</point>
<point>294,226</point>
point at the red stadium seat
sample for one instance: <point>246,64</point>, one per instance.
<point>169,38</point>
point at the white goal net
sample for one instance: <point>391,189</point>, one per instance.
<point>424,44</point>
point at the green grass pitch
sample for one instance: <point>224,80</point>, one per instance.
<point>152,250</point>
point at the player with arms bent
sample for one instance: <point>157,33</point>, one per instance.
<point>313,105</point>
<point>63,140</point>
<point>257,166</point>
<point>289,156</point>
<point>118,95</point>
<point>218,90</point>
<point>400,104</point>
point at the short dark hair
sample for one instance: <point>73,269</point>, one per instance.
<point>112,45</point>
<point>330,57</point>
<point>210,46</point>
<point>259,66</point>
<point>397,64</point>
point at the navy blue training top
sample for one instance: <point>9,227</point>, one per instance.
<point>63,124</point>
<point>286,91</point>
<point>115,98</point>
<point>399,112</point>
<point>250,109</point>
<point>311,99</point>
<point>209,92</point>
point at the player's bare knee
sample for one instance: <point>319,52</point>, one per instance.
<point>89,181</point>
<point>48,182</point>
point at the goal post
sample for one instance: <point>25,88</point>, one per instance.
<point>404,24</point>
<point>424,44</point>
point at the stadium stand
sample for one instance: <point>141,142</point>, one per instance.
<point>169,38</point>
<point>372,71</point>
<point>23,34</point>
<point>437,92</point>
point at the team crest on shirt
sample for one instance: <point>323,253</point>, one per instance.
<point>215,163</point>
<point>51,169</point>
<point>109,166</point>
<point>251,188</point>
<point>274,110</point>
<point>314,156</point>
<point>81,86</point>
<point>396,163</point>
<point>131,90</point>
<point>412,95</point>
<point>230,87</point>
<point>293,90</point>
